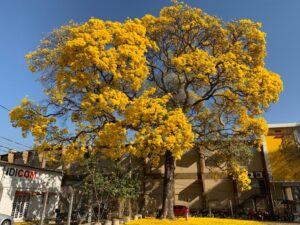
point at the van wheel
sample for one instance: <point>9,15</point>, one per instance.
<point>6,222</point>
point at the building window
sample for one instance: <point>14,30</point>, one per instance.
<point>292,193</point>
<point>296,193</point>
<point>20,206</point>
<point>288,193</point>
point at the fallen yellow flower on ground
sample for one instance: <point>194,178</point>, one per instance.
<point>194,221</point>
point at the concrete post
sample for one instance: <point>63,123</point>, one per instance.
<point>107,222</point>
<point>115,222</point>
<point>11,156</point>
<point>136,217</point>
<point>25,156</point>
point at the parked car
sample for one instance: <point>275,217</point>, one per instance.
<point>181,210</point>
<point>6,220</point>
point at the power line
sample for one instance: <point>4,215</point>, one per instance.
<point>3,107</point>
<point>18,143</point>
<point>12,145</point>
<point>9,144</point>
<point>8,148</point>
<point>1,150</point>
<point>7,139</point>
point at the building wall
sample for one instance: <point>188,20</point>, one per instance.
<point>282,151</point>
<point>189,186</point>
<point>219,193</point>
<point>44,180</point>
<point>284,160</point>
<point>206,190</point>
<point>283,154</point>
<point>199,188</point>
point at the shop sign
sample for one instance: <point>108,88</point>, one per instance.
<point>22,173</point>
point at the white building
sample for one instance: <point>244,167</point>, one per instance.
<point>23,190</point>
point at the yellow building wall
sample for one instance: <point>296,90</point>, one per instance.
<point>284,156</point>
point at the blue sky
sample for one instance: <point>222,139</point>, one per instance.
<point>24,23</point>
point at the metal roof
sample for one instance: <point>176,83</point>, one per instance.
<point>283,125</point>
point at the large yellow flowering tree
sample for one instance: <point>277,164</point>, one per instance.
<point>151,87</point>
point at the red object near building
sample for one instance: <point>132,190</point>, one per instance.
<point>181,210</point>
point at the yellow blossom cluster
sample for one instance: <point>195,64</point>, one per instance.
<point>73,153</point>
<point>30,119</point>
<point>249,41</point>
<point>174,133</point>
<point>92,64</point>
<point>219,61</point>
<point>244,180</point>
<point>112,140</point>
<point>198,63</point>
<point>108,101</point>
<point>251,125</point>
<point>241,175</point>
<point>156,130</point>
<point>146,109</point>
<point>132,85</point>
<point>82,53</point>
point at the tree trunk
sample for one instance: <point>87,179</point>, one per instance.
<point>168,189</point>
<point>142,200</point>
<point>203,185</point>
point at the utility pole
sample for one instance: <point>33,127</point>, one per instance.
<point>44,206</point>
<point>231,209</point>
<point>90,215</point>
<point>70,206</point>
<point>129,200</point>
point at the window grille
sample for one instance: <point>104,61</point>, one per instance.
<point>20,206</point>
